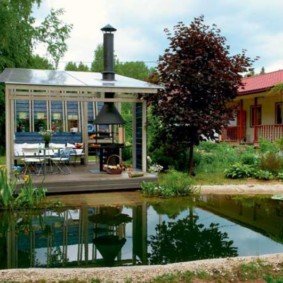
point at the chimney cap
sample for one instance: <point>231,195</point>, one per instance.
<point>108,28</point>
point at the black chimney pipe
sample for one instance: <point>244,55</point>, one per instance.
<point>108,115</point>
<point>108,49</point>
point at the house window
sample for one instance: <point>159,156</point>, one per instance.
<point>258,112</point>
<point>279,113</point>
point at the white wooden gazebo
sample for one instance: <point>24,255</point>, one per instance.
<point>83,88</point>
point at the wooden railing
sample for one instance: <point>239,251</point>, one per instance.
<point>230,134</point>
<point>270,132</point>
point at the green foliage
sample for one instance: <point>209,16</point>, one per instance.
<point>137,70</point>
<point>97,63</point>
<point>18,37</point>
<point>150,189</point>
<point>239,170</point>
<point>37,62</point>
<point>179,183</point>
<point>29,196</point>
<point>7,189</point>
<point>54,33</point>
<point>171,184</point>
<point>171,244</point>
<point>249,158</point>
<point>266,146</point>
<point>263,175</point>
<point>277,89</point>
<point>72,66</point>
<point>214,157</point>
<point>280,176</point>
<point>279,144</point>
<point>270,161</point>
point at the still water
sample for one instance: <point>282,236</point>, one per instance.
<point>142,232</point>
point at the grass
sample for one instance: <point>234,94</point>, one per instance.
<point>216,178</point>
<point>245,272</point>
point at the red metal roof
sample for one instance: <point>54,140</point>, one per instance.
<point>261,83</point>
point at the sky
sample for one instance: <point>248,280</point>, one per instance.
<point>253,25</point>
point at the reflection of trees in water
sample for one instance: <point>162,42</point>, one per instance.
<point>174,206</point>
<point>186,240</point>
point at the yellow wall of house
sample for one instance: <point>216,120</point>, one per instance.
<point>268,112</point>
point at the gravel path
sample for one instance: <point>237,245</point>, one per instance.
<point>123,274</point>
<point>145,273</point>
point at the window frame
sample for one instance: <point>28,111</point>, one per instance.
<point>259,115</point>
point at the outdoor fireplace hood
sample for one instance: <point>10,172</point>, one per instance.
<point>109,115</point>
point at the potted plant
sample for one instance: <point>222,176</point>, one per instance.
<point>46,136</point>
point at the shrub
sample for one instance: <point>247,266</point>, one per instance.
<point>249,158</point>
<point>213,157</point>
<point>239,171</point>
<point>171,184</point>
<point>266,146</point>
<point>28,196</point>
<point>149,189</point>
<point>179,183</point>
<point>270,161</point>
<point>263,175</point>
<point>280,176</point>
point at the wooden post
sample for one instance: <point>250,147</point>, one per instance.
<point>255,120</point>
<point>144,153</point>
<point>134,142</point>
<point>84,130</point>
<point>9,131</point>
<point>240,132</point>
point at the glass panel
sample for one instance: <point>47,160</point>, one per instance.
<point>22,115</point>
<point>40,116</point>
<point>72,116</point>
<point>57,116</point>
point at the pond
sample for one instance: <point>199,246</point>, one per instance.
<point>140,232</point>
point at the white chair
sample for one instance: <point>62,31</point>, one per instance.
<point>77,154</point>
<point>32,160</point>
<point>62,160</point>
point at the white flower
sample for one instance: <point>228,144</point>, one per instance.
<point>155,168</point>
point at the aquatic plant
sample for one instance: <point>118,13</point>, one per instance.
<point>28,195</point>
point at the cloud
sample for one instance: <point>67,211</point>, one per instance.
<point>254,25</point>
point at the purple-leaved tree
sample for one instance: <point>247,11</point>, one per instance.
<point>200,80</point>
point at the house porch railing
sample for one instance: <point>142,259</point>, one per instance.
<point>270,132</point>
<point>231,134</point>
<point>267,132</point>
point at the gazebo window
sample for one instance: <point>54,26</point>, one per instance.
<point>22,116</point>
<point>40,116</point>
<point>56,116</point>
<point>73,116</point>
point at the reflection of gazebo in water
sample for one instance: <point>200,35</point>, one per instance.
<point>109,232</point>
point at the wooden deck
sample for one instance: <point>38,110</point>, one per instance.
<point>89,179</point>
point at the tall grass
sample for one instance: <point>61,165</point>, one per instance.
<point>215,157</point>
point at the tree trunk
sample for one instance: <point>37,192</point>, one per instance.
<point>191,154</point>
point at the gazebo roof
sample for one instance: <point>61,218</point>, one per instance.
<point>56,78</point>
